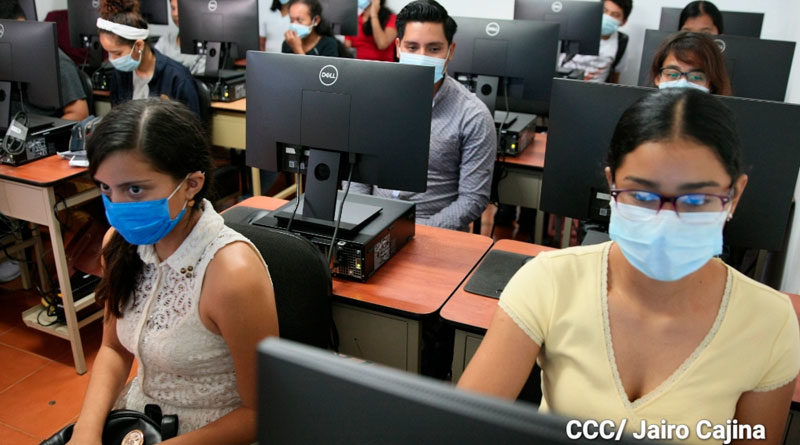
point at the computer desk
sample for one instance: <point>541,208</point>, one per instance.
<point>472,313</point>
<point>380,320</point>
<point>27,193</point>
<point>521,183</point>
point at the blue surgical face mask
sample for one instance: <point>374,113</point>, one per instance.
<point>143,222</point>
<point>682,83</point>
<point>284,2</point>
<point>422,60</point>
<point>127,63</point>
<point>302,31</point>
<point>667,247</point>
<point>609,26</point>
<point>363,4</point>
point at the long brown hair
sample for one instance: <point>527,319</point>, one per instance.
<point>171,137</point>
<point>698,50</point>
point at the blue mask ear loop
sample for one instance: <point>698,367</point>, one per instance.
<point>176,191</point>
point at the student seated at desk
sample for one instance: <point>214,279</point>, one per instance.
<point>72,93</point>
<point>701,16</point>
<point>170,46</point>
<point>376,32</point>
<point>308,33</point>
<point>651,326</point>
<point>606,66</point>
<point>463,140</point>
<point>169,301</point>
<point>140,70</point>
<point>690,60</point>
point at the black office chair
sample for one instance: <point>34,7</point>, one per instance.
<point>88,90</point>
<point>205,103</point>
<point>301,279</point>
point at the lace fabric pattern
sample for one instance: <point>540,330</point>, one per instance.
<point>183,366</point>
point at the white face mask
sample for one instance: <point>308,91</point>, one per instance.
<point>438,64</point>
<point>682,83</point>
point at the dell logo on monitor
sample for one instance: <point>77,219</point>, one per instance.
<point>721,43</point>
<point>95,4</point>
<point>328,75</point>
<point>2,30</point>
<point>212,5</point>
<point>493,29</point>
<point>557,7</point>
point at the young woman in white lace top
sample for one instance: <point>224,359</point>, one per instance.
<point>186,296</point>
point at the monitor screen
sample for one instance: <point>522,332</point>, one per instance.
<point>523,53</point>
<point>583,117</point>
<point>580,21</point>
<point>378,112</point>
<point>29,8</point>
<point>83,18</point>
<point>747,24</point>
<point>342,15</point>
<point>224,21</point>
<point>309,395</point>
<point>29,51</point>
<point>766,79</point>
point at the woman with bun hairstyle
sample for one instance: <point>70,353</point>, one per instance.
<point>169,300</point>
<point>140,70</point>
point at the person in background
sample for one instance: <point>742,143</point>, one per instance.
<point>170,46</point>
<point>606,66</point>
<point>690,60</point>
<point>308,33</point>
<point>651,327</point>
<point>376,32</point>
<point>463,140</point>
<point>273,24</point>
<point>76,108</point>
<point>701,16</point>
<point>169,301</point>
<point>140,71</point>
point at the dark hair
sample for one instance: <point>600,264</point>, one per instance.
<point>11,10</point>
<point>626,6</point>
<point>323,28</point>
<point>696,49</point>
<point>172,138</point>
<point>699,8</point>
<point>124,12</point>
<point>276,5</point>
<point>426,11</point>
<point>678,113</point>
<point>384,14</point>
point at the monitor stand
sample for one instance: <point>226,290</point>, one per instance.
<point>486,88</point>
<point>95,53</point>
<point>216,55</point>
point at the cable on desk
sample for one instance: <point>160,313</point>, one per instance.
<point>12,145</point>
<point>341,206</point>
<point>297,179</point>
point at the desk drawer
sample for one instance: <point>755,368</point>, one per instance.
<point>23,201</point>
<point>378,337</point>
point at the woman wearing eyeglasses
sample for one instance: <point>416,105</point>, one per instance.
<point>651,325</point>
<point>690,60</point>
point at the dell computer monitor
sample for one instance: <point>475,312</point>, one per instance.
<point>29,54</point>
<point>494,54</point>
<point>757,68</point>
<point>579,21</point>
<point>376,115</point>
<point>309,395</point>
<point>29,8</point>
<point>583,117</point>
<point>219,29</point>
<point>747,24</point>
<point>341,15</point>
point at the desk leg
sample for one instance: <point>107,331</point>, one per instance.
<point>256,174</point>
<point>464,347</point>
<point>538,229</point>
<point>64,285</point>
<point>39,252</point>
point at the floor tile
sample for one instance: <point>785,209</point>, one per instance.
<point>9,435</point>
<point>51,398</point>
<point>16,365</point>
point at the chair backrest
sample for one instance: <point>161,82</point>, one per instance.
<point>204,93</point>
<point>301,279</point>
<point>88,89</point>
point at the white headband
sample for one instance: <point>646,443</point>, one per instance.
<point>124,31</point>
